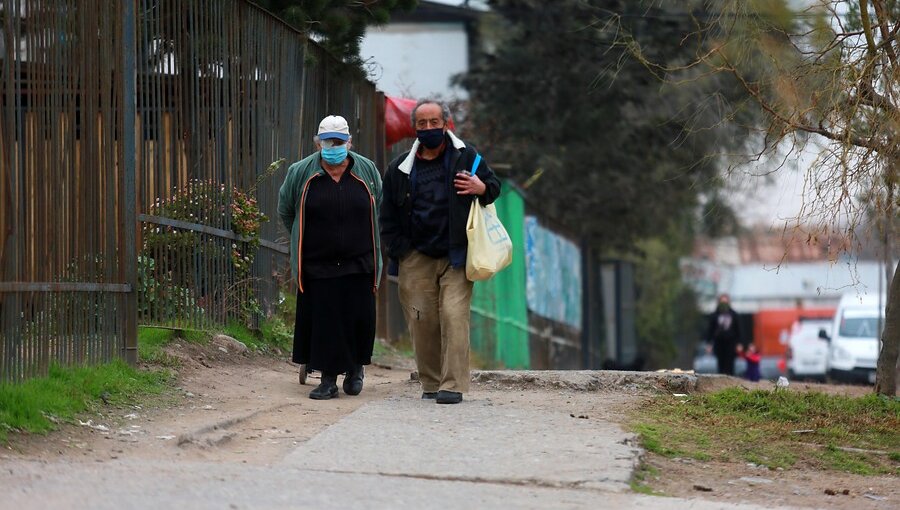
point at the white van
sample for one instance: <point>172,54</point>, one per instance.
<point>854,341</point>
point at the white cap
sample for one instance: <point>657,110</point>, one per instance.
<point>334,126</point>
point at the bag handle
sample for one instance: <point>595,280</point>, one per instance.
<point>475,164</point>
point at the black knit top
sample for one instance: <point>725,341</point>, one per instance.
<point>337,238</point>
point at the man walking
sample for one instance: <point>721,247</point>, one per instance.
<point>427,196</point>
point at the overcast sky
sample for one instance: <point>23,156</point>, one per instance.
<point>768,192</point>
<point>475,4</point>
<point>765,195</point>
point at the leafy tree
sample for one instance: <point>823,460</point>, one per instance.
<point>667,317</point>
<point>598,142</point>
<point>593,137</point>
<point>339,25</point>
<point>829,73</point>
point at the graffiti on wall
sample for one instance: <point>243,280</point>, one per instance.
<point>553,270</point>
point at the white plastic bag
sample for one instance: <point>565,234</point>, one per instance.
<point>490,248</point>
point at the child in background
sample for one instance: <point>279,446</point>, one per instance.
<point>751,355</point>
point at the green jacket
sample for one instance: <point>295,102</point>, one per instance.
<point>292,201</point>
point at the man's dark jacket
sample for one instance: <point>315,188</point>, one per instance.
<point>396,206</point>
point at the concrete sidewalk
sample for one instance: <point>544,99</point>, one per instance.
<point>473,442</point>
<point>400,452</point>
<point>188,486</point>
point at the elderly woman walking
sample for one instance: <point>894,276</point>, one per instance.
<point>329,202</point>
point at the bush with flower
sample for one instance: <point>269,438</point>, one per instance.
<point>208,265</point>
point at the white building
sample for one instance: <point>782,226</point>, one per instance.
<point>757,286</point>
<point>417,54</point>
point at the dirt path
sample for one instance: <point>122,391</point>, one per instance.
<point>798,487</point>
<point>228,407</point>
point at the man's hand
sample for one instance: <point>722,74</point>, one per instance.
<point>468,184</point>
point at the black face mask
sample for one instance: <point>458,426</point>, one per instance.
<point>431,138</point>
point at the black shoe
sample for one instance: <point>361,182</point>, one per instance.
<point>326,390</point>
<point>353,381</point>
<point>429,395</point>
<point>448,397</point>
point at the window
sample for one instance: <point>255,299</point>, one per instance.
<point>860,327</point>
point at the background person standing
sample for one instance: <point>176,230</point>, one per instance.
<point>329,202</point>
<point>724,333</point>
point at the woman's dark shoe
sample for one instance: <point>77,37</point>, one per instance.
<point>353,381</point>
<point>429,395</point>
<point>327,389</point>
<point>448,397</point>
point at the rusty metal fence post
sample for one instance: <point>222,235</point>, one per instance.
<point>127,240</point>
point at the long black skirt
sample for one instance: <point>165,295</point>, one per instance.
<point>335,326</point>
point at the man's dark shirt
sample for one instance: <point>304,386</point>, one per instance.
<point>431,207</point>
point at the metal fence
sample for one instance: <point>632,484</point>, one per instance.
<point>134,139</point>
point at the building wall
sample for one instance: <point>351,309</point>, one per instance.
<point>417,59</point>
<point>757,285</point>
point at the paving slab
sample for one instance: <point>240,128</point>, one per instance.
<point>474,441</point>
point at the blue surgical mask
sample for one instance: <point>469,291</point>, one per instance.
<point>431,138</point>
<point>334,155</point>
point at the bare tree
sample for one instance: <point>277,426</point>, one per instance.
<point>825,76</point>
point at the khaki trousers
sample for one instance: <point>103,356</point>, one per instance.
<point>436,301</point>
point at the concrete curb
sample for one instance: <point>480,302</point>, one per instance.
<point>603,380</point>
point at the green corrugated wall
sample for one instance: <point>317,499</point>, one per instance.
<point>499,333</point>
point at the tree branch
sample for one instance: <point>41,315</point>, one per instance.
<point>882,15</point>
<point>846,137</point>
<point>872,98</point>
<point>867,27</point>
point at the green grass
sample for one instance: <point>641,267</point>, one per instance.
<point>736,425</point>
<point>640,482</point>
<point>851,462</point>
<point>379,349</point>
<point>287,307</point>
<point>34,405</point>
<point>273,334</point>
<point>152,340</point>
<point>276,333</point>
<point>150,345</point>
<point>243,334</point>
<point>402,347</point>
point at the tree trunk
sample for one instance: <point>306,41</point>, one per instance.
<point>886,378</point>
